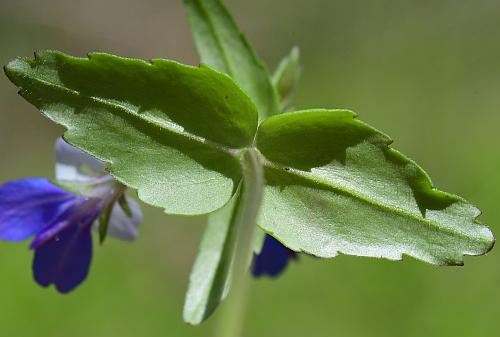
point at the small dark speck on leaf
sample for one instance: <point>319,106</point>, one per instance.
<point>287,169</point>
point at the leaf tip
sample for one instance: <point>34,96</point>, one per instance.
<point>7,70</point>
<point>491,239</point>
<point>492,244</point>
<point>12,68</point>
<point>191,320</point>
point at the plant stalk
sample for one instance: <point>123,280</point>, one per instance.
<point>232,315</point>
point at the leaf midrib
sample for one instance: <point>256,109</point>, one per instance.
<point>220,46</point>
<point>214,145</point>
<point>356,195</point>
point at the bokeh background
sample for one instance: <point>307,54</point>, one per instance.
<point>425,72</point>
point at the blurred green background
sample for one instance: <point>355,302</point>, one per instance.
<point>425,72</point>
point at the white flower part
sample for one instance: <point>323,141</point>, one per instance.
<point>70,161</point>
<point>120,225</point>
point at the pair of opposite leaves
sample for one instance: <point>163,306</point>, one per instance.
<point>177,134</point>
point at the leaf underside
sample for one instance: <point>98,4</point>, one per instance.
<point>166,129</point>
<point>333,183</point>
<point>210,278</point>
<point>335,186</point>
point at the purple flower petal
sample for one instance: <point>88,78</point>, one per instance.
<point>29,205</point>
<point>82,212</point>
<point>273,258</point>
<point>65,260</point>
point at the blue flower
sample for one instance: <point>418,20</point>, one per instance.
<point>61,219</point>
<point>273,258</point>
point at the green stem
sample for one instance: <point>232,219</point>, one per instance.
<point>233,314</point>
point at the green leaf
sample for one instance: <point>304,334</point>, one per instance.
<point>166,129</point>
<point>335,186</point>
<point>333,183</point>
<point>222,46</point>
<point>286,77</point>
<point>227,228</point>
<point>209,279</point>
